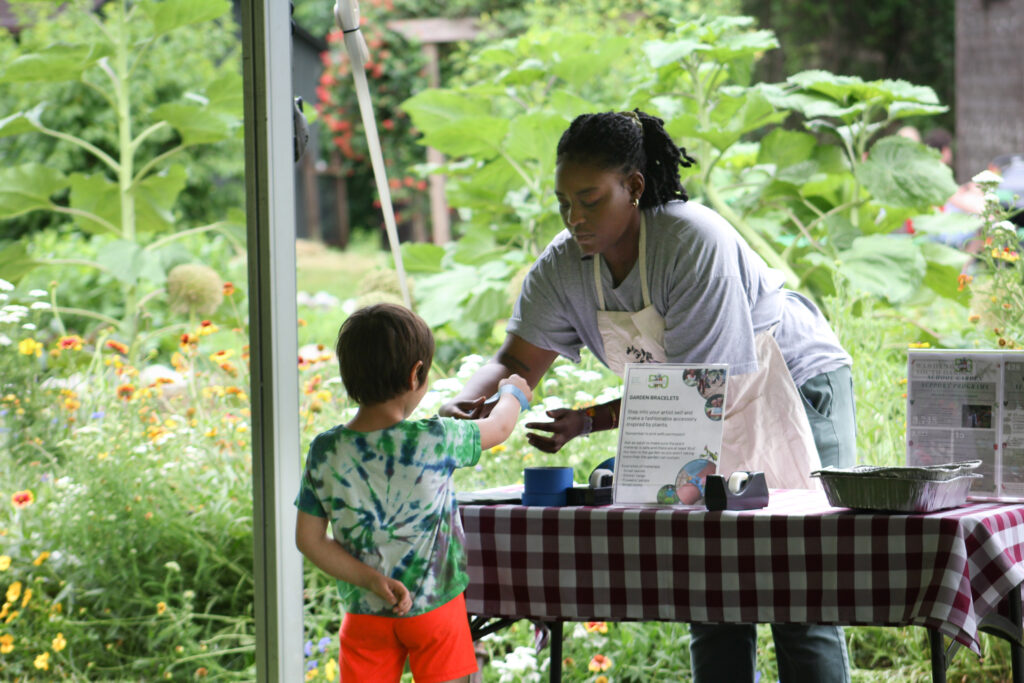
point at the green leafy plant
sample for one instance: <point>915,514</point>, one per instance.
<point>127,191</point>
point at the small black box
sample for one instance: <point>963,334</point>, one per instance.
<point>584,495</point>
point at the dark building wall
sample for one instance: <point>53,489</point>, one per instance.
<point>989,82</point>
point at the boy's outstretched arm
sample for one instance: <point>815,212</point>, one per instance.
<point>327,554</point>
<point>497,426</point>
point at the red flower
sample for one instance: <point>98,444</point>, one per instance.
<point>117,346</point>
<point>229,288</point>
<point>126,391</point>
<point>22,499</point>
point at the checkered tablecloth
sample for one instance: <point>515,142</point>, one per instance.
<point>798,560</point>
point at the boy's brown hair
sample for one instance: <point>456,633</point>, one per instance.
<point>377,348</point>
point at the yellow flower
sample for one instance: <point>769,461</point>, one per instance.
<point>221,356</point>
<point>5,610</point>
<point>5,562</point>
<point>14,591</point>
<point>6,643</point>
<point>596,626</point>
<point>28,596</point>
<point>601,679</point>
<point>312,673</point>
<point>161,607</point>
<point>920,345</point>
<point>72,342</point>
<point>331,670</point>
<point>599,663</point>
<point>30,347</point>
<point>500,448</point>
<point>59,643</point>
<point>12,616</point>
<point>973,318</point>
<point>43,661</point>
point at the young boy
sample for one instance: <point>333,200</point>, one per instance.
<point>384,484</point>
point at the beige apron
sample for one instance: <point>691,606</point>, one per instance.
<point>630,337</point>
<point>765,428</point>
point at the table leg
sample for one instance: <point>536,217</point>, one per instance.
<point>555,665</point>
<point>1016,650</point>
<point>938,656</point>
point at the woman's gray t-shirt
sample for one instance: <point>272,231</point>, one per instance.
<point>713,291</point>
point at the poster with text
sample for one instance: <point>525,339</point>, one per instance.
<point>670,432</point>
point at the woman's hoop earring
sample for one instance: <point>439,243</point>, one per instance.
<point>636,201</point>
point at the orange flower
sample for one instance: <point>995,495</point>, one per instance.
<point>117,346</point>
<point>600,663</point>
<point>73,342</point>
<point>126,391</point>
<point>229,289</point>
<point>963,279</point>
<point>596,626</point>
<point>22,499</point>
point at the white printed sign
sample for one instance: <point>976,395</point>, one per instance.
<point>670,432</point>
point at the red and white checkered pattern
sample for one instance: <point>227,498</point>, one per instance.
<point>798,560</point>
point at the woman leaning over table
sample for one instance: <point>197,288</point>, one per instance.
<point>642,275</point>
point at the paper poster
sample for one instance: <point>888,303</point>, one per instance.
<point>670,432</point>
<point>969,405</point>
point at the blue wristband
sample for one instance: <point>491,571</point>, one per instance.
<point>524,404</point>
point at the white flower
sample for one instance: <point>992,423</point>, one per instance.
<point>553,402</point>
<point>582,397</point>
<point>5,286</point>
<point>986,177</point>
<point>1006,226</point>
<point>29,326</point>
<point>40,305</point>
<point>38,293</point>
<point>447,384</point>
<point>4,297</point>
<point>588,375</point>
<point>5,340</point>
<point>172,566</point>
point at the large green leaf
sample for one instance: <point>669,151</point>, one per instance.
<point>661,52</point>
<point>903,173</point>
<point>435,107</point>
<point>15,262</point>
<point>735,115</point>
<point>98,196</point>
<point>747,43</point>
<point>884,265</point>
<point>440,296</point>
<point>535,136</point>
<point>197,125</point>
<point>422,257</point>
<point>785,148</point>
<point>154,198</point>
<point>22,122</point>
<point>948,223</point>
<point>478,136</point>
<point>168,15</point>
<point>28,188</point>
<point>944,267</point>
<point>581,58</point>
<point>127,262</point>
<point>53,64</point>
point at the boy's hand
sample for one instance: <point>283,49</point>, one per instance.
<point>519,383</point>
<point>393,592</point>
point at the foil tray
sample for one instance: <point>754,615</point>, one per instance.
<point>898,489</point>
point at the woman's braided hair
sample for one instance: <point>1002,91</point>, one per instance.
<point>627,141</point>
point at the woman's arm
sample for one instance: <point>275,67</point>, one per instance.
<point>516,356</point>
<point>327,554</point>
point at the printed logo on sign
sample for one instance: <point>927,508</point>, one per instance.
<point>657,381</point>
<point>963,365</point>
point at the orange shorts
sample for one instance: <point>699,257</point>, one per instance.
<point>438,645</point>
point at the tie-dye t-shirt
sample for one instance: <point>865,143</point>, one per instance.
<point>390,501</point>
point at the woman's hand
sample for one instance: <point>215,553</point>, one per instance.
<point>566,425</point>
<point>471,409</point>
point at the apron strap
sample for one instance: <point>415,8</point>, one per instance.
<point>644,288</point>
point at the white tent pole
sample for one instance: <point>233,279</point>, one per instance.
<point>346,14</point>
